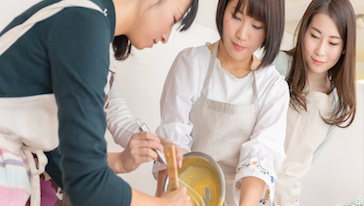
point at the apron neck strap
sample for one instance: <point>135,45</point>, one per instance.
<point>209,71</point>
<point>209,74</point>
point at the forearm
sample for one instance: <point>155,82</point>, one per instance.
<point>139,198</point>
<point>251,188</point>
<point>113,160</point>
<point>120,121</point>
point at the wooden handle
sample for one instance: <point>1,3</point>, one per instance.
<point>170,152</point>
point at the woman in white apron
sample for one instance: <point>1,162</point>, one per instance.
<point>221,100</point>
<point>322,93</point>
<point>54,61</point>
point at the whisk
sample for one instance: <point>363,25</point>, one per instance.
<point>169,159</point>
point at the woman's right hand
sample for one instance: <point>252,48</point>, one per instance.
<point>176,198</point>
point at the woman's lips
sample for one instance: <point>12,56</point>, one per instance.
<point>238,47</point>
<point>317,62</point>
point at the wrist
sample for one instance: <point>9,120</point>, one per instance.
<point>115,162</point>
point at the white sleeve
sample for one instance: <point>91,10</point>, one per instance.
<point>176,102</point>
<point>263,155</point>
<point>329,136</point>
<point>120,121</point>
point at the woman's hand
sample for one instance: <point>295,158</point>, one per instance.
<point>179,151</point>
<point>162,174</point>
<point>140,149</point>
<point>178,197</point>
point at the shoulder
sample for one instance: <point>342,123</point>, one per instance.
<point>190,65</point>
<point>282,63</point>
<point>193,59</point>
<point>78,26</point>
<point>195,53</point>
<point>270,78</point>
<point>270,73</point>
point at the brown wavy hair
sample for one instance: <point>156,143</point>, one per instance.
<point>341,75</point>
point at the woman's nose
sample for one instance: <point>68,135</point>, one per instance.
<point>165,36</point>
<point>242,33</point>
<point>320,49</point>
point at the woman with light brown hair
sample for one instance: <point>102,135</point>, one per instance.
<point>320,72</point>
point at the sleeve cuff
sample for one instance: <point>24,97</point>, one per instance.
<point>157,166</point>
<point>261,170</point>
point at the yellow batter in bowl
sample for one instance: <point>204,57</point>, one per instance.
<point>200,174</point>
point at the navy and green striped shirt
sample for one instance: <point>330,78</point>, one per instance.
<point>68,55</point>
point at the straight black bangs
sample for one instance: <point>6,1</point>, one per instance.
<point>254,8</point>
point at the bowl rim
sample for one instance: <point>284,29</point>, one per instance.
<point>213,163</point>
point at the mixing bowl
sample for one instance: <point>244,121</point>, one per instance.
<point>203,178</point>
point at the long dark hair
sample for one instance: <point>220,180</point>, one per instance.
<point>121,44</point>
<point>270,12</point>
<point>342,75</point>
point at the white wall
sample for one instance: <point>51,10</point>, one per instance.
<point>336,177</point>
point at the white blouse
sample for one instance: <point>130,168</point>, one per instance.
<point>183,87</point>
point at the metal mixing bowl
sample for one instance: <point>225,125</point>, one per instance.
<point>203,178</point>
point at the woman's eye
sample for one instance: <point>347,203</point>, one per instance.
<point>257,27</point>
<point>236,17</point>
<point>313,36</point>
<point>333,44</point>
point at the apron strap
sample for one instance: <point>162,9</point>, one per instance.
<point>6,41</point>
<point>255,90</point>
<point>35,172</point>
<point>11,36</point>
<point>209,71</point>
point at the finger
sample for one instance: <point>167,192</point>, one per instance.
<point>145,143</point>
<point>150,144</point>
<point>149,136</point>
<point>144,159</point>
<point>147,153</point>
<point>138,159</point>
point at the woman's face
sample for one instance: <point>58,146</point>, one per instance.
<point>242,34</point>
<point>156,21</point>
<point>323,44</point>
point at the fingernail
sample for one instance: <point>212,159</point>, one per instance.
<point>179,163</point>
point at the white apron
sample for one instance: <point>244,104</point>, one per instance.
<point>305,132</point>
<point>220,129</point>
<point>28,125</point>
